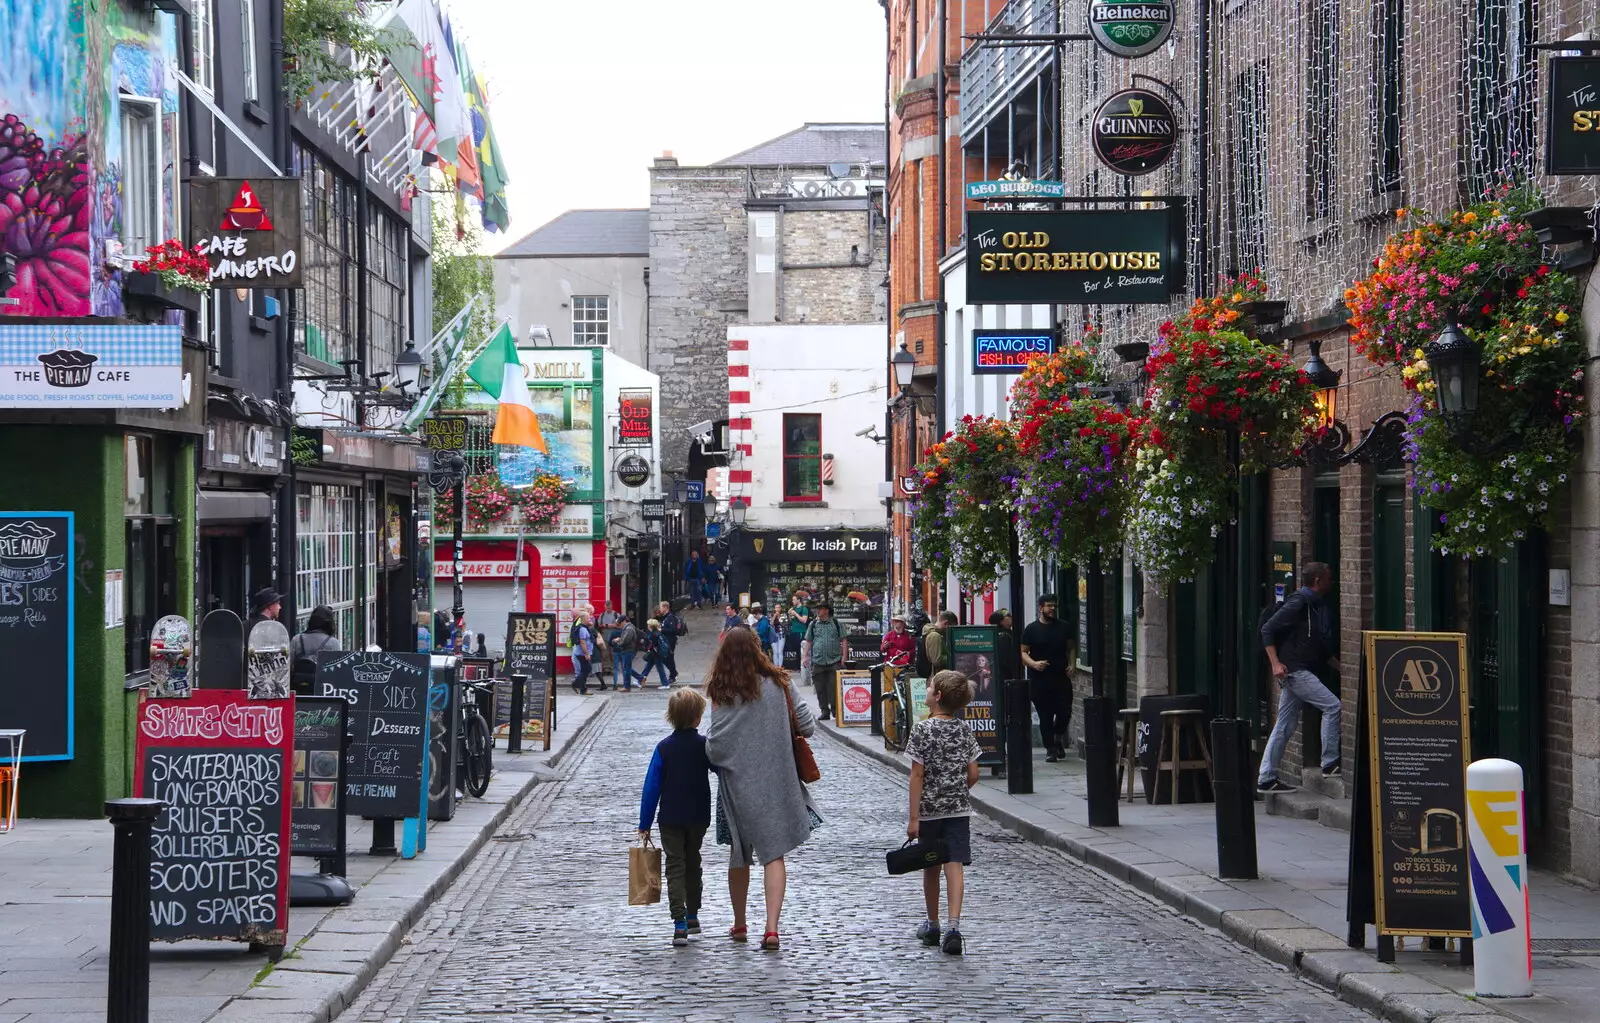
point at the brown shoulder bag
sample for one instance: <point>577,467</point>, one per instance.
<point>805,762</point>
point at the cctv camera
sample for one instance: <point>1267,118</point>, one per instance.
<point>866,432</point>
<point>702,428</point>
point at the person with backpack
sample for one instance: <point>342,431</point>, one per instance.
<point>623,639</point>
<point>321,634</point>
<point>765,632</point>
<point>654,645</point>
<point>932,653</point>
<point>694,573</point>
<point>1298,638</point>
<point>672,628</point>
<point>582,653</point>
<point>825,649</point>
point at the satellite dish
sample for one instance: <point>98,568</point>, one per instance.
<point>838,170</point>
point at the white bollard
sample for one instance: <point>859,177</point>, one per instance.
<point>1497,834</point>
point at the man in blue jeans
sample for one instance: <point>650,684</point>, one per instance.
<point>1299,640</point>
<point>694,573</point>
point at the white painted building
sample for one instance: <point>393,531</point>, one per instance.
<point>805,409</point>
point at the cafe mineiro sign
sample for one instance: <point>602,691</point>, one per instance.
<point>1099,257</point>
<point>249,229</point>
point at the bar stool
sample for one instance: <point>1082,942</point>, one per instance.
<point>1175,725</point>
<point>1128,753</point>
<point>10,775</point>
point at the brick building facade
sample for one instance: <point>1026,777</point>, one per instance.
<point>1322,120</point>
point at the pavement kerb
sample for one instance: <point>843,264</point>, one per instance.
<point>1311,953</point>
<point>308,962</point>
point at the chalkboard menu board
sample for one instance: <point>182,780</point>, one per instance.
<point>36,633</point>
<point>388,706</point>
<point>531,651</point>
<point>219,864</point>
<point>319,732</point>
<point>972,653</point>
<point>1417,744</point>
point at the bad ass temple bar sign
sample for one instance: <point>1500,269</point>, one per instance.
<point>1075,257</point>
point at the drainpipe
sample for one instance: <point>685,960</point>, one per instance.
<point>288,549</point>
<point>943,234</point>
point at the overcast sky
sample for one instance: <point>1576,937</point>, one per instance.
<point>584,95</point>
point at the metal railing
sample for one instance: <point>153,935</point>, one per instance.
<point>992,75</point>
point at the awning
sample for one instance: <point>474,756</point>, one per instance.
<point>234,505</point>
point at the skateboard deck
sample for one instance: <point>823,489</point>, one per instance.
<point>267,661</point>
<point>170,647</point>
<point>221,652</point>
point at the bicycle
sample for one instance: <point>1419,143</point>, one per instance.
<point>474,743</point>
<point>897,720</point>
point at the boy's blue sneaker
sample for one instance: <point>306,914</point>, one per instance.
<point>928,933</point>
<point>692,924</point>
<point>680,934</point>
<point>952,942</point>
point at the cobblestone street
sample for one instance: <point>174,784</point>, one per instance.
<point>538,927</point>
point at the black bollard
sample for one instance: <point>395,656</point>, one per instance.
<point>383,838</point>
<point>128,981</point>
<point>877,701</point>
<point>1234,791</point>
<point>519,684</point>
<point>1100,759</point>
<point>1019,738</point>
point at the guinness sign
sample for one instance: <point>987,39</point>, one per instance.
<point>633,471</point>
<point>1135,132</point>
<point>1130,28</point>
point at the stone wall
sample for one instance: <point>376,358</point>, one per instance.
<point>841,291</point>
<point>698,285</point>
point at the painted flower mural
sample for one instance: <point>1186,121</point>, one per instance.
<point>44,220</point>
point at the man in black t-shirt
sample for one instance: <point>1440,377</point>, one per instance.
<point>1047,653</point>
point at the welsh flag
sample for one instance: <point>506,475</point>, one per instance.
<point>499,372</point>
<point>419,48</point>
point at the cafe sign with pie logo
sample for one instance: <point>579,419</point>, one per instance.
<point>84,366</point>
<point>1130,28</point>
<point>1135,132</point>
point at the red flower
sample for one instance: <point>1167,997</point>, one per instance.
<point>1197,404</point>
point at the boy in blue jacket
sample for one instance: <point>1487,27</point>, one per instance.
<point>679,781</point>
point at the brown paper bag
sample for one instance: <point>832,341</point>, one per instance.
<point>644,875</point>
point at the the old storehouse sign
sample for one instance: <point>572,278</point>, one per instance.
<point>249,228</point>
<point>1134,132</point>
<point>1130,28</point>
<point>1109,257</point>
<point>1573,144</point>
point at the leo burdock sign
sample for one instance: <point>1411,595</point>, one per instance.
<point>319,735</point>
<point>219,858</point>
<point>1417,743</point>
<point>36,630</point>
<point>388,707</point>
<point>972,653</point>
<point>531,651</point>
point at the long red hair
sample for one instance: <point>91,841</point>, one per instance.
<point>738,669</point>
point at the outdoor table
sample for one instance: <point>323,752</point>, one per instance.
<point>10,775</point>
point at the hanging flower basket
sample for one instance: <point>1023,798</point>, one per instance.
<point>1075,458</point>
<point>1482,268</point>
<point>964,518</point>
<point>489,502</point>
<point>1207,379</point>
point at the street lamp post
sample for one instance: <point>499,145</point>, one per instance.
<point>458,469</point>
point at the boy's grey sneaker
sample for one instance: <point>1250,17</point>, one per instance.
<point>952,942</point>
<point>692,924</point>
<point>928,933</point>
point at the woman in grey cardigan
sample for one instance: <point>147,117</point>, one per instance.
<point>767,810</point>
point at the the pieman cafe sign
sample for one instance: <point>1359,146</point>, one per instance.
<point>1130,28</point>
<point>249,229</point>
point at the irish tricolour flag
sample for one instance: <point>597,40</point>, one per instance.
<point>500,373</point>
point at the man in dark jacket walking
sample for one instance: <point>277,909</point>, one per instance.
<point>672,628</point>
<point>1299,640</point>
<point>694,573</point>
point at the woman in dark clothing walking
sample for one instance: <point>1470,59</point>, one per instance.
<point>321,634</point>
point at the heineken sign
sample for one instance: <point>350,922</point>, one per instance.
<point>1134,132</point>
<point>1130,28</point>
